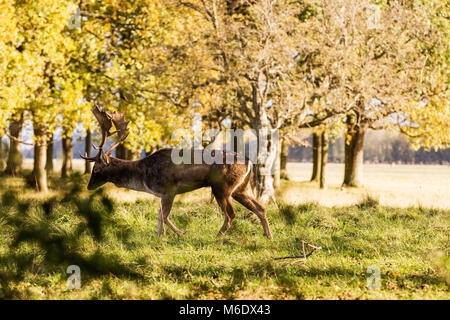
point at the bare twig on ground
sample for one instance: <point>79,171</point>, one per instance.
<point>304,255</point>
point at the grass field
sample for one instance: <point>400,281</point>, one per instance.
<point>121,257</point>
<point>397,186</point>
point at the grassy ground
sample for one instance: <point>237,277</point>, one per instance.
<point>396,186</point>
<point>121,257</point>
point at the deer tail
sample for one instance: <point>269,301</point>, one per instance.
<point>251,177</point>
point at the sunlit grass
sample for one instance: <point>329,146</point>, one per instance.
<point>396,186</point>
<point>409,245</point>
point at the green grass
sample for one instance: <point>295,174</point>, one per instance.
<point>125,259</point>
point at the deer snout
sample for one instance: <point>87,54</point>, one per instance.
<point>95,183</point>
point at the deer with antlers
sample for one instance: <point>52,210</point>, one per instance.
<point>159,175</point>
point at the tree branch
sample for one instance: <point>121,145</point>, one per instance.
<point>19,141</point>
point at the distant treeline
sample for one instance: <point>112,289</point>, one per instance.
<point>379,147</point>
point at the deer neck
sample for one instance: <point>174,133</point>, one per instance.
<point>127,174</point>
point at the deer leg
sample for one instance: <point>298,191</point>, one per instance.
<point>211,200</point>
<point>224,203</point>
<point>166,206</point>
<point>254,206</point>
<point>160,223</point>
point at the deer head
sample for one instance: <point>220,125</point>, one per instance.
<point>102,160</point>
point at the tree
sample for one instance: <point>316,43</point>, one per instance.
<point>254,50</point>
<point>44,43</point>
<point>378,57</point>
<point>49,166</point>
<point>317,155</point>
<point>284,152</point>
<point>39,173</point>
<point>14,79</point>
<point>3,150</point>
<point>15,158</point>
<point>128,67</point>
<point>87,148</point>
<point>426,120</point>
<point>323,158</point>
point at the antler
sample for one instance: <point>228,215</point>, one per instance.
<point>88,158</point>
<point>106,121</point>
<point>105,125</point>
<point>122,131</point>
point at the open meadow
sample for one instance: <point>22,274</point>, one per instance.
<point>391,185</point>
<point>402,232</point>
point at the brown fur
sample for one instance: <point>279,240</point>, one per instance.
<point>157,174</point>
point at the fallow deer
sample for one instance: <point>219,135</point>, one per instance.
<point>159,175</point>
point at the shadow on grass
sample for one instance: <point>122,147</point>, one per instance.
<point>33,224</point>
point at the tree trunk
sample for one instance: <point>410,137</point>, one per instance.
<point>40,155</point>
<point>331,150</point>
<point>354,145</point>
<point>67,147</point>
<point>323,159</point>
<point>316,149</point>
<point>15,159</point>
<point>277,169</point>
<point>121,152</point>
<point>87,149</point>
<point>49,164</point>
<point>265,186</point>
<point>267,153</point>
<point>283,159</point>
<point>2,159</point>
<point>267,149</point>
